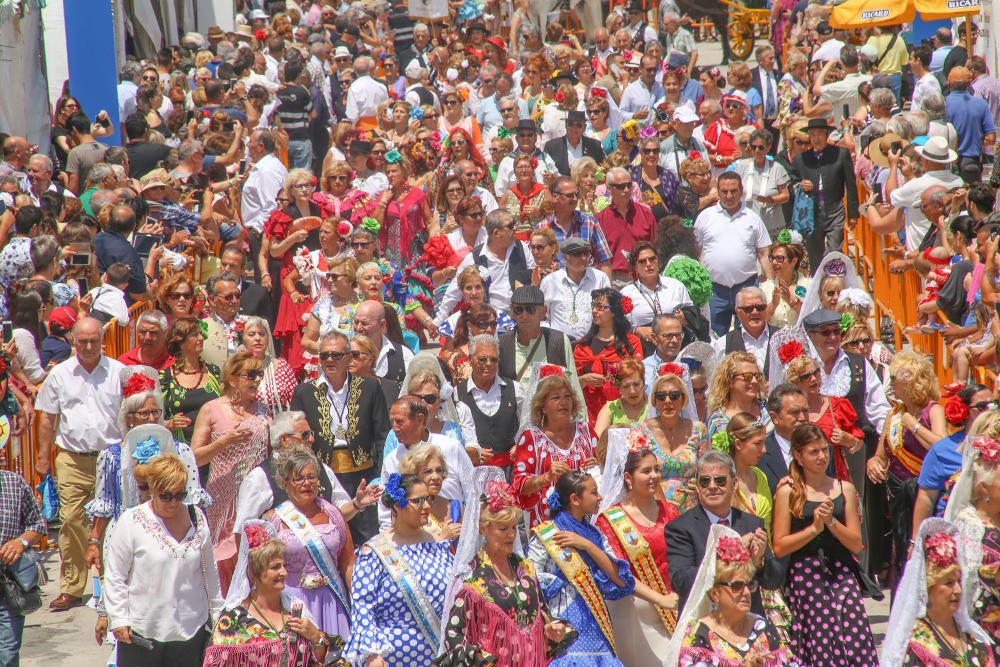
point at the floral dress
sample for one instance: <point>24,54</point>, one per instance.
<point>236,627</point>
<point>703,647</point>
<point>662,198</point>
<point>676,469</point>
<point>929,648</point>
<point>982,551</point>
<point>484,594</point>
<point>188,402</point>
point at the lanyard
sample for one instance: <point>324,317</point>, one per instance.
<point>654,303</point>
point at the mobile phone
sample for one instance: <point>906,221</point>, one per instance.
<point>189,115</point>
<point>243,166</point>
<point>228,126</point>
<point>896,147</point>
<point>79,260</point>
<point>142,642</point>
<point>297,609</point>
<point>846,110</point>
<point>104,120</point>
<point>232,83</point>
<point>8,330</point>
<point>84,287</point>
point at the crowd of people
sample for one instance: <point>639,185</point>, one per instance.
<point>474,334</point>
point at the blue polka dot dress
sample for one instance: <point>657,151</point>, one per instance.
<point>381,622</point>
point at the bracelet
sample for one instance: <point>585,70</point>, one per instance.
<point>94,540</point>
<point>354,501</point>
<point>916,427</point>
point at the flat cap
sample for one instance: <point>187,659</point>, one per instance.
<point>820,318</point>
<point>574,243</point>
<point>527,295</point>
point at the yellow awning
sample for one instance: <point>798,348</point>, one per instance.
<point>932,10</point>
<point>867,13</point>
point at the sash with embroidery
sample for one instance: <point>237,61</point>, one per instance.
<point>578,574</point>
<point>306,533</point>
<point>895,431</point>
<point>414,595</point>
<point>640,556</point>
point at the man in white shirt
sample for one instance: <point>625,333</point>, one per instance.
<point>788,408</point>
<point>845,91</point>
<point>408,419</point>
<point>734,241</point>
<point>526,142</point>
<point>470,174</point>
<point>567,291</point>
<point>753,333</point>
<point>639,31</point>
<point>926,82</point>
<point>40,176</point>
<point>84,395</point>
<point>266,178</point>
<point>643,94</point>
<point>365,93</point>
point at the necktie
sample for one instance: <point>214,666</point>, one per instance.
<point>724,522</point>
<point>769,111</point>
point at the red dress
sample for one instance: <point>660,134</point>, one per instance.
<point>654,535</point>
<point>533,455</point>
<point>605,363</point>
<point>841,413</point>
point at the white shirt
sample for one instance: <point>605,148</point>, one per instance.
<point>382,363</point>
<point>457,241</point>
<point>638,96</point>
<point>648,34</point>
<point>486,197</point>
<point>730,243</point>
<point>844,92</point>
<point>255,496</point>
<point>414,100</point>
<point>363,97</point>
<point>756,346</point>
<point>499,272</point>
<point>907,198</point>
<point>460,471</point>
<point>156,585</point>
<point>111,300</point>
<point>838,383</point>
<point>488,401</point>
<point>67,193</point>
<point>126,99</point>
<point>670,294</point>
<point>568,302</point>
<point>27,356</point>
<point>828,50</point>
<point>87,404</point>
<point>926,85</point>
<point>553,124</point>
<point>260,191</point>
<point>785,446</point>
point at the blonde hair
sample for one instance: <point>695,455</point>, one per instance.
<point>743,426</point>
<point>855,332</point>
<point>296,177</point>
<point>417,458</point>
<point>729,571</point>
<point>545,387</point>
<point>166,472</point>
<point>258,559</point>
<point>468,274</point>
<point>508,515</point>
<point>579,167</point>
<point>364,342</point>
<point>349,263</point>
<point>919,381</point>
<point>423,377</point>
<point>721,387</point>
<point>797,367</point>
<point>937,574</point>
<point>675,381</point>
<point>239,363</point>
<point>363,268</point>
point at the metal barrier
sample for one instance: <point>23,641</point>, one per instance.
<point>120,339</point>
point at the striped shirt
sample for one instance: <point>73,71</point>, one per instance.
<point>296,105</point>
<point>19,510</point>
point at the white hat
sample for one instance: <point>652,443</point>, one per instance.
<point>686,113</point>
<point>259,15</point>
<point>936,150</point>
<point>341,52</point>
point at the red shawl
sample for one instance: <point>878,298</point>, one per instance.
<point>605,363</point>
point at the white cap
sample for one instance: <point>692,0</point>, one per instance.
<point>685,113</point>
<point>413,70</point>
<point>259,15</point>
<point>341,52</point>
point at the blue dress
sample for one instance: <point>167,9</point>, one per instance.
<point>381,621</point>
<point>591,648</point>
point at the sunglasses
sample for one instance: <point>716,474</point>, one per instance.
<point>860,342</point>
<point>175,497</point>
<point>810,375</point>
<point>828,333</point>
<point>740,586</point>
<point>485,324</point>
<point>756,308</point>
<point>650,151</point>
<point>758,147</point>
<point>252,375</point>
<point>748,377</point>
<point>720,481</point>
<point>429,399</point>
<point>336,356</point>
<point>450,103</point>
<point>455,191</point>
<point>984,405</point>
<point>517,310</point>
<point>340,177</point>
<point>228,297</point>
<point>536,247</point>
<point>360,244</point>
<point>777,259</point>
<point>621,186</point>
<point>594,112</point>
<point>181,295</point>
<point>357,354</point>
<point>474,214</point>
<point>421,500</point>
<point>568,195</point>
<point>488,360</point>
<point>733,106</point>
<point>661,396</point>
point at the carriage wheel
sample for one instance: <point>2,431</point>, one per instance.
<point>741,38</point>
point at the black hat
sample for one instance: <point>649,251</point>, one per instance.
<point>823,28</point>
<point>819,124</point>
<point>577,116</point>
<point>820,318</point>
<point>527,295</point>
<point>352,30</point>
<point>359,147</point>
<point>527,124</point>
<point>476,26</point>
<point>563,75</point>
<point>635,6</point>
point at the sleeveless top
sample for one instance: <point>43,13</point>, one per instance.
<point>825,541</point>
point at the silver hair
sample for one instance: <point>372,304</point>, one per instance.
<point>664,316</point>
<point>292,461</point>
<point>317,49</point>
<point>483,339</point>
<point>762,49</point>
<point>362,66</point>
<point>714,457</point>
<point>224,277</point>
<point>498,218</point>
<point>488,68</point>
<point>901,126</point>
<point>670,16</point>
<point>101,200</point>
<point>43,159</point>
<point>743,132</point>
<point>135,401</point>
<point>742,295</point>
<point>618,172</point>
<point>334,334</point>
<point>43,251</point>
<point>129,71</point>
<point>101,171</point>
<point>920,121</point>
<point>188,148</point>
<point>255,321</point>
<point>284,424</point>
<point>420,27</point>
<point>509,98</point>
<point>154,317</point>
<point>882,97</point>
<point>933,106</point>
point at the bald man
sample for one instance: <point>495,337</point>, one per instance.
<point>391,358</point>
<point>84,394</point>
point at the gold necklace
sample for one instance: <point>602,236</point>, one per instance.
<point>267,622</point>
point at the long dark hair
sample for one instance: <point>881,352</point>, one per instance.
<point>25,304</point>
<point>802,435</point>
<point>621,323</point>
<point>568,484</point>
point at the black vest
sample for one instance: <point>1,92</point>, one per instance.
<point>734,343</point>
<point>425,96</point>
<point>396,369</point>
<point>500,429</point>
<point>856,396</point>
<point>517,265</point>
<point>640,36</point>
<point>555,351</point>
<point>325,486</point>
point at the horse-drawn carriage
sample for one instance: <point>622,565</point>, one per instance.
<point>746,24</point>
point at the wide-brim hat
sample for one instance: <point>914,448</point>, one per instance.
<point>878,150</point>
<point>936,149</point>
<point>526,124</point>
<point>819,124</point>
<point>157,178</point>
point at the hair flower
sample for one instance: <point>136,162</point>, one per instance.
<point>790,350</point>
<point>629,131</point>
<point>503,133</point>
<point>637,441</point>
<point>784,237</point>
<point>601,203</point>
<point>551,369</point>
<point>800,291</point>
<point>688,223</point>
<point>146,450</point>
<point>344,229</point>
<point>534,162</point>
<point>627,305</point>
<point>987,449</point>
<point>731,550</point>
<point>648,132</point>
<point>552,500</point>
<point>956,411</point>
<point>416,113</point>
<point>393,156</point>
<point>598,92</point>
<point>137,384</point>
<point>694,155</point>
<point>395,491</point>
<point>260,35</point>
<point>257,535</point>
<point>722,442</point>
<point>940,549</point>
<point>835,267</point>
<point>371,225</point>
<point>846,322</point>
<point>560,97</point>
<point>498,496</point>
<point>599,175</point>
<point>694,276</point>
<point>670,368</point>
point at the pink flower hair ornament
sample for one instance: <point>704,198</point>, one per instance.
<point>731,550</point>
<point>987,449</point>
<point>940,549</point>
<point>499,496</point>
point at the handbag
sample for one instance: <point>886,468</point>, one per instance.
<point>803,213</point>
<point>19,584</point>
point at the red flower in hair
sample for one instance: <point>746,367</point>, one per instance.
<point>731,550</point>
<point>627,305</point>
<point>671,368</point>
<point>790,350</point>
<point>344,228</point>
<point>551,369</point>
<point>499,496</point>
<point>560,97</point>
<point>694,155</point>
<point>257,536</point>
<point>463,306</point>
<point>955,411</point>
<point>137,384</point>
<point>599,92</point>
<point>941,549</point>
<point>260,35</point>
<point>987,449</point>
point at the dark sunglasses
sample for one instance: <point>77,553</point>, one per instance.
<point>488,360</point>
<point>650,151</point>
<point>739,586</point>
<point>860,342</point>
<point>661,396</point>
<point>984,405</point>
<point>758,147</point>
<point>360,244</point>
<point>810,375</point>
<point>517,310</point>
<point>253,375</point>
<point>620,186</point>
<point>756,308</point>
<point>706,481</point>
<point>168,497</point>
<point>357,354</point>
<point>429,399</point>
<point>485,324</point>
<point>777,259</point>
<point>748,377</point>
<point>181,295</point>
<point>832,331</point>
<point>734,106</point>
<point>336,356</point>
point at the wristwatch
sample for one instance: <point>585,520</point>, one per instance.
<point>26,543</point>
<point>320,643</point>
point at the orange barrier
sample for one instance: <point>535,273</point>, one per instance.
<point>120,339</point>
